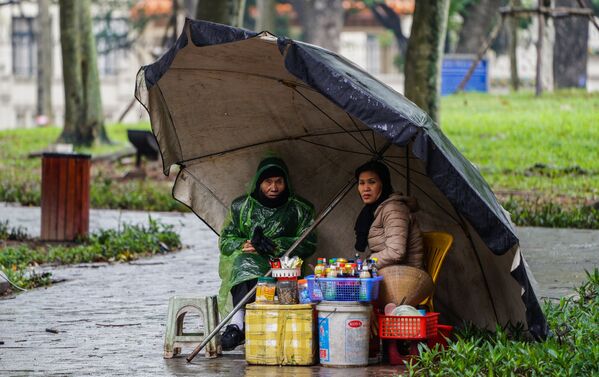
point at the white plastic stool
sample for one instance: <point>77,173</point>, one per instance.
<point>174,338</point>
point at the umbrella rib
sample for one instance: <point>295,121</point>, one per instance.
<point>402,157</point>
<point>480,265</point>
<point>428,196</point>
<point>360,131</point>
<point>206,187</point>
<point>373,139</point>
<point>333,148</point>
<point>172,122</point>
<point>302,138</point>
<point>403,166</point>
<point>334,121</point>
<point>273,78</point>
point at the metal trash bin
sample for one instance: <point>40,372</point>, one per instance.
<point>65,196</point>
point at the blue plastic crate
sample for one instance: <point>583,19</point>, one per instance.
<point>453,70</point>
<point>344,289</point>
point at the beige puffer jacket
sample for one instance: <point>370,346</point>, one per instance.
<point>394,236</point>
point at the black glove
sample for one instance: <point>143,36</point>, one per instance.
<point>261,243</point>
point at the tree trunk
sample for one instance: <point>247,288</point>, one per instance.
<point>570,50</point>
<point>322,23</point>
<point>266,15</point>
<point>93,126</point>
<point>513,48</point>
<point>71,71</point>
<point>547,50</point>
<point>387,17</point>
<point>424,55</point>
<point>45,66</point>
<point>84,121</point>
<point>214,10</point>
<point>239,12</point>
<point>478,21</point>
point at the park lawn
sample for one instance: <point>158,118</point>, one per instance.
<point>536,147</point>
<point>539,155</point>
<point>20,176</point>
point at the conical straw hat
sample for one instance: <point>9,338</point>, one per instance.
<point>404,285</point>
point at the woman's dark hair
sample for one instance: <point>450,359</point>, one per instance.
<point>382,171</point>
<point>366,216</point>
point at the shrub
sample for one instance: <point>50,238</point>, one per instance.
<point>551,215</point>
<point>571,349</point>
<point>128,243</point>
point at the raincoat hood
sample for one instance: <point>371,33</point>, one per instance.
<point>267,163</point>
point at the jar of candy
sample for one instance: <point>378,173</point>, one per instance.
<point>304,293</point>
<point>287,291</point>
<point>265,290</point>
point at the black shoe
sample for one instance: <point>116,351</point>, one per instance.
<point>232,337</point>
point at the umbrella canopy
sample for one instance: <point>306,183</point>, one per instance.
<point>223,98</point>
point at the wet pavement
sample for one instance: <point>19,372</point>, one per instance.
<point>111,318</point>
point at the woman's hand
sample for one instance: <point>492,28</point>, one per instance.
<point>248,247</point>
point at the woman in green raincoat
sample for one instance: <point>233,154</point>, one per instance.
<point>281,218</point>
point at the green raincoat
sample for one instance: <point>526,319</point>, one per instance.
<point>283,225</point>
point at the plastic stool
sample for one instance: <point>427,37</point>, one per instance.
<point>174,338</point>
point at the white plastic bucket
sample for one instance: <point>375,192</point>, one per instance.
<point>343,333</point>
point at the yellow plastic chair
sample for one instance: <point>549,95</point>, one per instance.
<point>436,246</point>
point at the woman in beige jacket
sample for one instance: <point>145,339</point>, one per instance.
<point>386,226</point>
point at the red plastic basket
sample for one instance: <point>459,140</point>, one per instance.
<point>443,332</point>
<point>408,327</point>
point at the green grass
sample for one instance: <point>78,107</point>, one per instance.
<point>20,176</point>
<point>539,155</point>
<point>571,350</point>
<point>546,146</point>
<point>127,243</point>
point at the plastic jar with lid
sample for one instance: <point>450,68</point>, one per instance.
<point>303,292</point>
<point>265,290</point>
<point>287,291</point>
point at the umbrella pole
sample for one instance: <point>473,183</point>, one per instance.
<point>338,197</point>
<point>408,169</point>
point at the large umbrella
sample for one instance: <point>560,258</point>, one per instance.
<point>222,98</point>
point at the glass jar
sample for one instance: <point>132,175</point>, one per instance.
<point>287,291</point>
<point>265,290</point>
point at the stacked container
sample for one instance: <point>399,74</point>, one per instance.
<point>280,334</point>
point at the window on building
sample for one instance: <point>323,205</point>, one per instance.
<point>111,44</point>
<point>24,46</point>
<point>373,54</point>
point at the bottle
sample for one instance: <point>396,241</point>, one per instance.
<point>349,270</point>
<point>319,269</point>
<point>341,270</point>
<point>373,270</point>
<point>332,272</point>
<point>364,273</point>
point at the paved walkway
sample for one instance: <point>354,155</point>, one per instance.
<point>111,318</point>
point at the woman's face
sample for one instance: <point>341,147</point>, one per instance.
<point>370,187</point>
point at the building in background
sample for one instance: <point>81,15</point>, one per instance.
<point>124,45</point>
<point>118,61</point>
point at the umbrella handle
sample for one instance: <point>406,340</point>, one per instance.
<point>338,197</point>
